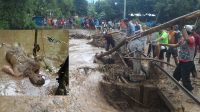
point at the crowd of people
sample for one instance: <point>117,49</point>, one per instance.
<point>60,23</point>
<point>97,24</point>
<point>82,22</point>
<point>180,42</point>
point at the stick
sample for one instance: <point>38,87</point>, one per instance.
<point>123,80</point>
<point>136,101</point>
<point>151,59</point>
<point>122,60</point>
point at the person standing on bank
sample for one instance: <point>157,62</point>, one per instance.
<point>130,27</point>
<point>186,57</point>
<point>197,46</point>
<point>172,40</point>
<point>160,50</point>
<point>109,40</point>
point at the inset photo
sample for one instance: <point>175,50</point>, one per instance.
<point>33,62</point>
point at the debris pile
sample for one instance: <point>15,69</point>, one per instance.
<point>97,41</point>
<point>80,36</point>
<point>127,96</point>
<point>115,73</point>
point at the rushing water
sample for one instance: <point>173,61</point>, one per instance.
<point>84,93</point>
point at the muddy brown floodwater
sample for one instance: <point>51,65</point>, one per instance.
<point>85,93</point>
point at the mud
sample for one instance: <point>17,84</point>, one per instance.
<point>79,36</point>
<point>134,97</point>
<point>114,73</point>
<point>118,92</point>
<point>18,86</point>
<point>98,41</point>
<point>94,87</point>
<point>124,95</point>
<point>84,94</point>
<point>22,65</point>
<point>89,92</point>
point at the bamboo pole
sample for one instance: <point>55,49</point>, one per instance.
<point>151,59</point>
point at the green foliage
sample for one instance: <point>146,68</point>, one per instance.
<point>164,9</point>
<point>4,25</point>
<point>18,14</point>
<point>91,11</point>
<point>81,7</point>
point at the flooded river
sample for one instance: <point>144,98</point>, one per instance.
<point>85,95</point>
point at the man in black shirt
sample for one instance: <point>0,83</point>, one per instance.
<point>109,41</point>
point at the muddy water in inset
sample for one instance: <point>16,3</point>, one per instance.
<point>84,93</point>
<point>54,53</point>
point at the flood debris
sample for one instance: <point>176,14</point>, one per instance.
<point>98,41</point>
<point>118,77</point>
<point>79,36</point>
<point>115,73</point>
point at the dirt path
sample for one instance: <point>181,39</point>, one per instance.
<point>84,93</point>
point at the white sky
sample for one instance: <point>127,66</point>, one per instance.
<point>90,1</point>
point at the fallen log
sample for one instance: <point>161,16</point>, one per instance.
<point>179,20</point>
<point>151,59</point>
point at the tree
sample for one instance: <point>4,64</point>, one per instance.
<point>170,9</point>
<point>18,14</point>
<point>65,7</point>
<point>81,7</point>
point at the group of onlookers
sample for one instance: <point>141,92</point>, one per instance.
<point>59,23</point>
<point>180,42</point>
<point>98,24</point>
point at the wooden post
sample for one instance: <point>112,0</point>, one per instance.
<point>137,63</point>
<point>35,44</point>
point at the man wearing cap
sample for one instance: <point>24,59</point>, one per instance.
<point>186,57</point>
